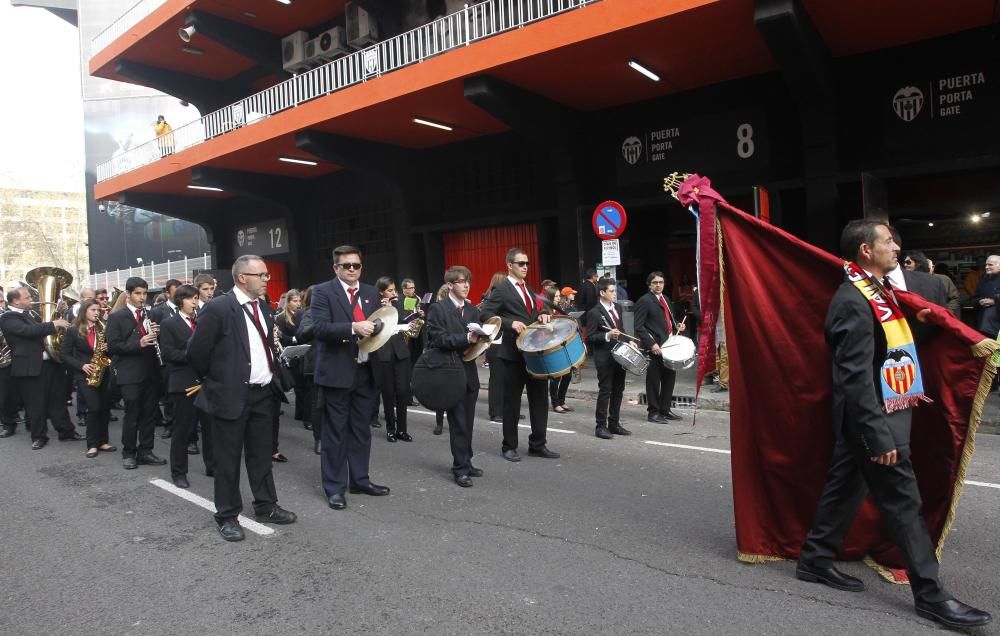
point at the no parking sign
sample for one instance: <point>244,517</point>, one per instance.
<point>609,220</point>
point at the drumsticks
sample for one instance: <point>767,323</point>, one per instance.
<point>192,390</point>
<point>681,323</point>
<point>622,333</point>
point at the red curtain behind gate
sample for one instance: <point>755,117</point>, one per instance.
<point>483,250</point>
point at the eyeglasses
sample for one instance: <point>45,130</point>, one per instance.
<point>460,281</point>
<point>264,277</point>
<point>520,263</point>
<point>349,265</point>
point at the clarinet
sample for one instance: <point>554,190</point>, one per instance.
<point>148,326</point>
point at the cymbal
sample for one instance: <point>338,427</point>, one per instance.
<point>388,317</point>
<point>476,349</point>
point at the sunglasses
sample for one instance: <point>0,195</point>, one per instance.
<point>520,263</point>
<point>349,265</point>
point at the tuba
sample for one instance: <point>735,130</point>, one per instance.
<point>49,283</point>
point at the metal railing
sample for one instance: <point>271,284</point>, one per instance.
<point>462,28</point>
<point>120,26</point>
<point>156,274</point>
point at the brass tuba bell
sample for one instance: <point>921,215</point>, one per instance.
<point>49,283</point>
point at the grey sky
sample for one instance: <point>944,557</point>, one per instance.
<point>41,113</point>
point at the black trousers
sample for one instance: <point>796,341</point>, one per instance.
<point>347,436</point>
<point>142,411</point>
<point>45,401</point>
<point>495,394</point>
<point>81,404</point>
<point>314,408</point>
<point>660,381</point>
<point>393,381</point>
<point>185,420</point>
<point>460,421</point>
<point>8,409</point>
<point>610,389</point>
<point>894,489</point>
<point>248,434</point>
<point>97,401</point>
<point>301,399</point>
<point>516,379</point>
<point>558,388</point>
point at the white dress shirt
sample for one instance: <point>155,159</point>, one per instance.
<point>613,313</point>
<point>896,278</point>
<point>362,355</point>
<point>260,371</point>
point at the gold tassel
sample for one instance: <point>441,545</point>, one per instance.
<point>883,571</point>
<point>758,558</point>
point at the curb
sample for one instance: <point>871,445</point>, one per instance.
<point>705,402</point>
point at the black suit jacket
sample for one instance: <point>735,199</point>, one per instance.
<point>588,296</point>
<point>926,286</point>
<point>335,343</point>
<point>650,321</point>
<point>219,352</point>
<point>174,336</point>
<point>75,351</point>
<point>131,363</point>
<point>25,337</point>
<point>858,349</point>
<point>600,348</point>
<point>160,313</point>
<point>448,331</point>
<point>506,301</point>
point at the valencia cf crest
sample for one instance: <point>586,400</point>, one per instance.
<point>899,371</point>
<point>907,102</point>
<point>632,150</point>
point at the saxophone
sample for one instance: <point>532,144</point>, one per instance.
<point>5,356</point>
<point>100,359</point>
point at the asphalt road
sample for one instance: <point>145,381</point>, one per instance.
<point>616,537</point>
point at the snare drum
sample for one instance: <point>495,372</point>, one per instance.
<point>630,358</point>
<point>678,352</point>
<point>552,350</point>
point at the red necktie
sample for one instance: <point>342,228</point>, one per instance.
<point>460,309</point>
<point>359,315</point>
<point>192,323</point>
<point>260,332</point>
<point>666,313</point>
<point>527,298</point>
<point>614,316</point>
<point>138,319</point>
<point>92,337</point>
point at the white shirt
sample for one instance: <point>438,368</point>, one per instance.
<point>260,371</point>
<point>613,313</point>
<point>896,278</point>
<point>173,307</point>
<point>517,285</point>
<point>362,355</point>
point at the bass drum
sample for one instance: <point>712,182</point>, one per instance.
<point>552,350</point>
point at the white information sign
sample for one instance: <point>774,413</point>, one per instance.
<point>610,253</point>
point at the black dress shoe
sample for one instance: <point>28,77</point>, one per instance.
<point>656,418</point>
<point>75,437</point>
<point>337,502</point>
<point>404,437</point>
<point>463,480</point>
<point>828,576</point>
<point>7,432</point>
<point>278,457</point>
<point>520,417</point>
<point>167,433</point>
<point>496,420</point>
<point>375,423</point>
<point>181,481</point>
<point>390,436</point>
<point>603,433</point>
<point>619,430</point>
<point>278,515</point>
<point>439,428</point>
<point>150,459</point>
<point>129,463</point>
<point>113,418</point>
<point>670,415</point>
<point>91,453</point>
<point>543,451</point>
<point>511,455</point>
<point>192,449</point>
<point>475,472</point>
<point>231,531</point>
<point>307,425</point>
<point>39,444</point>
<point>953,613</point>
<point>317,447</point>
<point>370,489</point>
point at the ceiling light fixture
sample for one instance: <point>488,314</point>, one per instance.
<point>639,68</point>
<point>250,14</point>
<point>285,1</point>
<point>209,188</point>
<point>432,124</point>
<point>193,50</point>
<point>975,218</point>
<point>304,162</point>
<point>931,224</point>
<point>985,215</point>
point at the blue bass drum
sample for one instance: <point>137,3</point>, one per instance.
<point>552,350</point>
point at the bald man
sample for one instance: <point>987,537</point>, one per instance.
<point>986,297</point>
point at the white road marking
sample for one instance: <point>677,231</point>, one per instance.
<point>697,448</point>
<point>187,495</point>
<point>982,483</point>
<point>550,429</point>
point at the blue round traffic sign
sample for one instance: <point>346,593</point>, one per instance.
<point>609,220</point>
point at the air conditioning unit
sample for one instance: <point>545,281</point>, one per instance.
<point>327,46</point>
<point>362,27</point>
<point>293,51</point>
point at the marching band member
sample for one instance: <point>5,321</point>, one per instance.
<point>514,303</point>
<point>174,335</point>
<point>287,322</point>
<point>447,329</point>
<point>205,284</point>
<point>654,323</point>
<point>132,348</point>
<point>391,367</point>
<point>77,352</point>
<point>304,335</point>
<point>558,386</point>
<point>344,377</point>
<point>607,313</point>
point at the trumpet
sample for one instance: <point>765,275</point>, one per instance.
<point>154,329</point>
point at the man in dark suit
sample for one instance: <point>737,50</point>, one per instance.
<point>175,332</point>
<point>159,314</point>
<point>588,291</point>
<point>654,323</point>
<point>514,303</point>
<point>604,325</point>
<point>8,410</point>
<point>344,377</point>
<point>987,298</point>
<point>132,347</point>
<point>872,447</point>
<point>447,329</point>
<point>231,348</point>
<point>40,380</point>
